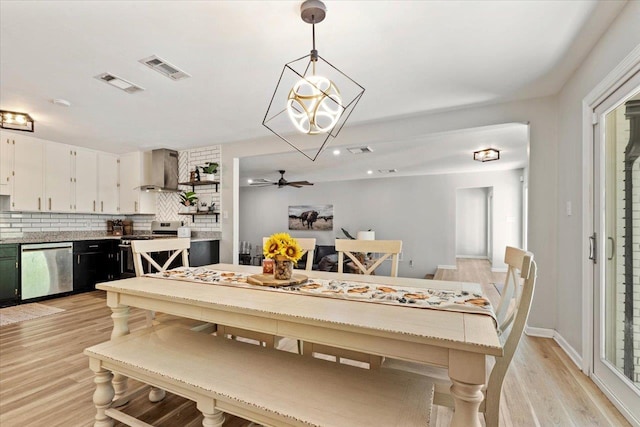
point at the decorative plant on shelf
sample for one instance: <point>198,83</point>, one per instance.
<point>209,170</point>
<point>284,250</point>
<point>189,199</point>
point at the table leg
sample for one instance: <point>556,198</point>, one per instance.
<point>468,375</point>
<point>467,399</point>
<point>212,417</point>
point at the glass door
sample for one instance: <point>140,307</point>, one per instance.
<point>616,355</point>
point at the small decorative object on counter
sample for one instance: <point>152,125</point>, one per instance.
<point>267,266</point>
<point>284,250</point>
<point>117,227</point>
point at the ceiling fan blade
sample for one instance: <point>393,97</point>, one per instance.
<point>293,184</point>
<point>262,184</point>
<point>301,183</point>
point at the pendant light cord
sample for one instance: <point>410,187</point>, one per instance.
<point>314,52</point>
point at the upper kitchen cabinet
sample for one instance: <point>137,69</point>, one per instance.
<point>7,145</point>
<point>28,185</point>
<point>58,184</point>
<point>107,183</point>
<point>132,199</point>
<point>85,180</point>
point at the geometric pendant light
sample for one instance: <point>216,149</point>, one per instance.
<point>313,99</point>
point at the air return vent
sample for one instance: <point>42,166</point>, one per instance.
<point>119,83</point>
<point>387,170</point>
<point>164,68</point>
<point>360,150</point>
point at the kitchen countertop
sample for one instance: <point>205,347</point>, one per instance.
<point>73,236</point>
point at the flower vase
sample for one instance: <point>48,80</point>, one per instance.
<point>283,268</point>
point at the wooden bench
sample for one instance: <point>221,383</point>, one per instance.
<point>266,386</point>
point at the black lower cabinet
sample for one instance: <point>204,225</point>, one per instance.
<point>204,253</point>
<point>94,261</point>
<point>9,274</point>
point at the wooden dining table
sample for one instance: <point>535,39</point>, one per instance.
<point>455,340</point>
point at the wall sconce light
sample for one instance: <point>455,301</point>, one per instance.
<point>486,155</point>
<point>16,121</point>
<point>313,99</point>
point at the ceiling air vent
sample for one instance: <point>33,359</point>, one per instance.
<point>387,170</point>
<point>120,83</point>
<point>164,68</point>
<point>360,150</point>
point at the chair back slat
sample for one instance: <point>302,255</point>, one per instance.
<point>386,249</point>
<point>143,249</point>
<point>510,295</point>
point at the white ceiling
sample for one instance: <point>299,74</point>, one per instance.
<point>413,57</point>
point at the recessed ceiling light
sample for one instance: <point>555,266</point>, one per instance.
<point>369,172</point>
<point>249,181</point>
<point>336,152</point>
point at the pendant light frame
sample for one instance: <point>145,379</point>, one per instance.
<point>277,119</point>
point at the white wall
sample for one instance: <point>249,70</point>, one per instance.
<point>621,38</point>
<point>540,113</point>
<point>420,211</point>
<point>471,222</point>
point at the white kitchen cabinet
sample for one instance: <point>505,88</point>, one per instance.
<point>107,183</point>
<point>7,145</point>
<point>132,199</point>
<point>58,183</point>
<point>85,180</point>
<point>28,185</point>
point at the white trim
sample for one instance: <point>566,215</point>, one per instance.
<point>499,269</point>
<point>564,345</point>
<point>447,267</point>
<point>539,332</point>
<point>616,78</point>
<point>235,220</point>
<point>473,257</point>
<point>612,398</point>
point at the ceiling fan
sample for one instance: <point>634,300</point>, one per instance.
<point>281,182</point>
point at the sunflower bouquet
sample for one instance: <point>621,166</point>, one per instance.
<point>282,245</point>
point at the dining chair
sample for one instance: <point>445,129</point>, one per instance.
<point>179,247</point>
<point>512,322</point>
<point>355,249</point>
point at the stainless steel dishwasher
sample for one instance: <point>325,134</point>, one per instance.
<point>47,269</point>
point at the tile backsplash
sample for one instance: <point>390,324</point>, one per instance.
<point>15,224</point>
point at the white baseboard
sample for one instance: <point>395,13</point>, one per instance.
<point>448,267</point>
<point>499,269</point>
<point>564,345</point>
<point>472,257</point>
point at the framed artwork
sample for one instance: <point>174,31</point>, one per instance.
<point>311,217</point>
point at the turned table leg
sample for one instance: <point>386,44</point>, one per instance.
<point>103,395</point>
<point>212,417</point>
<point>468,375</point>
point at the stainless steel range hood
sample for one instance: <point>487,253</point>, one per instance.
<point>164,171</point>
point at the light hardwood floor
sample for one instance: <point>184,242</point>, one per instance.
<point>45,379</point>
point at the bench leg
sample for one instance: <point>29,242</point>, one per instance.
<point>156,394</point>
<point>103,395</point>
<point>212,417</point>
<point>120,316</point>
